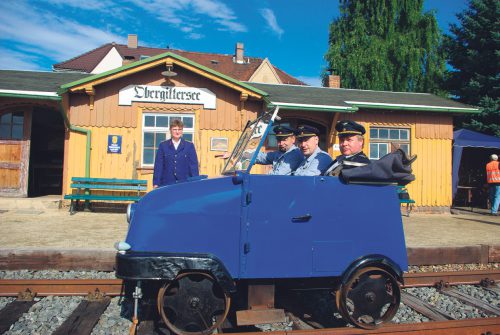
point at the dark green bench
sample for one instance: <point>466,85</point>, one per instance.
<point>404,198</point>
<point>83,187</point>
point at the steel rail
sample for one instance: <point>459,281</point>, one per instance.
<point>60,287</point>
<point>113,287</point>
<point>456,327</point>
<point>423,279</point>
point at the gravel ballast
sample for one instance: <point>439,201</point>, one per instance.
<point>50,312</point>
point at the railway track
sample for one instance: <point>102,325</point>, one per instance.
<point>97,295</point>
<point>113,287</point>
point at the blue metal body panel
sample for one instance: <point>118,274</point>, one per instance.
<point>317,226</point>
<point>201,216</point>
<point>265,226</point>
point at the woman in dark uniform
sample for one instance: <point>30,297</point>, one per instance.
<point>176,158</point>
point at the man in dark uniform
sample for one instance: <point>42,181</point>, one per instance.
<point>288,158</point>
<point>316,161</point>
<point>351,143</point>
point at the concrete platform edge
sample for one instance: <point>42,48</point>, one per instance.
<point>480,254</point>
<point>104,260</point>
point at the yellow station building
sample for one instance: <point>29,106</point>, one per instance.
<point>59,125</point>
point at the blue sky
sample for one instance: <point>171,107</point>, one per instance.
<point>293,34</point>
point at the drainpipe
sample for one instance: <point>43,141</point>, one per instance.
<point>87,132</point>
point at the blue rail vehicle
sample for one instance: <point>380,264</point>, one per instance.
<point>200,244</point>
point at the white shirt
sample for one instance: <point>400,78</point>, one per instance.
<point>176,144</point>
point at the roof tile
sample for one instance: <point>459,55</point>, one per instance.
<point>220,62</point>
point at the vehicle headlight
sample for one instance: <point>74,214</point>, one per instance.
<point>122,246</point>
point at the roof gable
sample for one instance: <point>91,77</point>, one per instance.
<point>88,83</point>
<point>112,60</point>
<point>265,73</point>
<point>85,62</point>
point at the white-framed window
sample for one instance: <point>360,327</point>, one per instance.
<point>381,139</point>
<point>155,129</point>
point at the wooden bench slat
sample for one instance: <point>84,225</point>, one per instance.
<point>109,180</point>
<point>110,187</point>
<point>102,197</point>
<point>84,185</point>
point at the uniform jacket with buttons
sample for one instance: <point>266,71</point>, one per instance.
<point>173,166</point>
<point>284,163</point>
<point>359,157</point>
<point>314,165</point>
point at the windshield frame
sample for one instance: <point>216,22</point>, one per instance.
<point>250,132</point>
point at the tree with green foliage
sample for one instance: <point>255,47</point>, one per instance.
<point>474,51</point>
<point>389,45</point>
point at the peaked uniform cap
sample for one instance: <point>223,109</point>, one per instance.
<point>307,131</point>
<point>348,127</point>
<point>283,131</point>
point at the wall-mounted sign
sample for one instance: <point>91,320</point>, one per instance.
<point>336,147</point>
<point>218,143</point>
<point>167,95</point>
<point>114,144</point>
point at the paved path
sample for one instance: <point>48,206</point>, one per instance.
<point>441,230</point>
<point>38,228</point>
<point>57,229</point>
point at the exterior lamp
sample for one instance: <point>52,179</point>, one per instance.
<point>168,75</point>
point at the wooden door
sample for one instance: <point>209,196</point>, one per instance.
<point>15,129</point>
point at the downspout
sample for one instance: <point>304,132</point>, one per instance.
<point>87,132</point>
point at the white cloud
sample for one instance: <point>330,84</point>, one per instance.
<point>108,7</point>
<point>313,81</point>
<point>270,18</point>
<point>43,32</point>
<point>189,14</point>
<point>13,60</point>
<point>47,34</point>
<point>87,4</point>
<point>220,12</point>
<point>195,36</point>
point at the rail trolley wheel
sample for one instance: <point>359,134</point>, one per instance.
<point>369,298</point>
<point>193,304</point>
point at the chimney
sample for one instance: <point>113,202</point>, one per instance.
<point>132,41</point>
<point>239,53</point>
<point>331,81</point>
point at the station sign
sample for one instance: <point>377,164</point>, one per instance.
<point>167,95</point>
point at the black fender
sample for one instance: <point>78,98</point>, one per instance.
<point>166,266</point>
<point>380,261</point>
